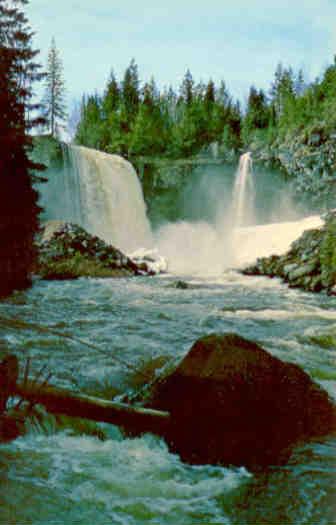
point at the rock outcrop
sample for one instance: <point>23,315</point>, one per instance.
<point>67,251</point>
<point>231,402</point>
<point>309,159</point>
<point>310,263</point>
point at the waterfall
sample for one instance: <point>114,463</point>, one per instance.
<point>101,193</point>
<point>243,198</point>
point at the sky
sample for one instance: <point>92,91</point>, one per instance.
<point>239,41</point>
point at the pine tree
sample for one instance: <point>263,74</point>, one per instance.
<point>89,130</point>
<point>210,95</point>
<point>150,131</point>
<point>187,88</point>
<point>18,200</point>
<point>54,90</point>
<point>130,90</point>
<point>112,95</point>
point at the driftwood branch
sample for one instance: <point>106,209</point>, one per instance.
<point>61,401</point>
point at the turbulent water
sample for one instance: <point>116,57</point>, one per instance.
<point>63,473</point>
<point>54,475</point>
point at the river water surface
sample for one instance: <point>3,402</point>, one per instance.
<point>54,475</point>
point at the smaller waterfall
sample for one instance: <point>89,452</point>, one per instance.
<point>243,198</point>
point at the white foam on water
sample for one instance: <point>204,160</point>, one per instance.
<point>302,312</point>
<point>135,477</point>
<point>268,239</point>
<point>204,249</point>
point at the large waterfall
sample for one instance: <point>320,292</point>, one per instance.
<point>102,193</point>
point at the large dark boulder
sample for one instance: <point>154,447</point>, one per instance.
<point>231,402</point>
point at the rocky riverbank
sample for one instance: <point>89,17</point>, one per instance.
<point>67,251</point>
<point>310,263</point>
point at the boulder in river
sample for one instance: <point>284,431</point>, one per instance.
<point>231,402</point>
<point>309,264</point>
<point>67,251</point>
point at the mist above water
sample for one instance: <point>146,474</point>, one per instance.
<point>229,219</point>
<point>247,219</point>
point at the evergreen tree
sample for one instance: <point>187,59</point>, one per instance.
<point>187,88</point>
<point>257,114</point>
<point>150,134</point>
<point>18,200</point>
<point>54,90</point>
<point>130,90</point>
<point>210,95</point>
<point>282,89</point>
<point>90,128</point>
<point>299,83</point>
<point>120,132</point>
<point>112,95</point>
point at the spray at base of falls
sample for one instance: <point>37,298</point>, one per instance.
<point>235,240</point>
<point>103,194</point>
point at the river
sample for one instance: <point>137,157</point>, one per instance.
<point>67,472</point>
<point>57,475</point>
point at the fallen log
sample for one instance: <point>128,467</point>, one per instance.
<point>60,401</point>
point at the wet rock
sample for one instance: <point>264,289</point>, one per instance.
<point>180,285</point>
<point>310,263</point>
<point>67,251</point>
<point>231,402</point>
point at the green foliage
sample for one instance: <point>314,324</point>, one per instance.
<point>140,121</point>
<point>47,150</point>
<point>90,131</point>
<point>328,254</point>
<point>135,120</point>
<point>76,266</point>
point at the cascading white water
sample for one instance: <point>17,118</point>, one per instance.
<point>234,240</point>
<point>103,194</point>
<point>111,199</point>
<point>243,198</point>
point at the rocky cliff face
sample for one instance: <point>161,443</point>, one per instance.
<point>310,160</point>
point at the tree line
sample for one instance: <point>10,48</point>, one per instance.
<point>135,119</point>
<point>292,106</point>
<point>140,120</point>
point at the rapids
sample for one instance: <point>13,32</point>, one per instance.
<point>55,475</point>
<point>59,474</point>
